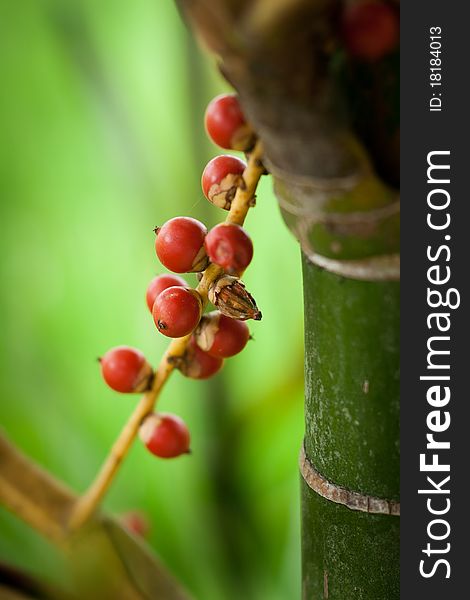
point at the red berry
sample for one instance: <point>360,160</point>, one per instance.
<point>220,179</point>
<point>176,311</point>
<point>198,364</point>
<point>160,283</point>
<point>136,522</point>
<point>226,124</point>
<point>165,435</point>
<point>370,29</point>
<point>221,336</point>
<point>229,246</point>
<point>180,245</point>
<point>125,370</point>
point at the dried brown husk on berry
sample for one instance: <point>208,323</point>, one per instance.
<point>207,329</point>
<point>195,363</point>
<point>200,262</point>
<point>144,379</point>
<point>244,138</point>
<point>221,194</point>
<point>230,296</point>
<point>186,363</point>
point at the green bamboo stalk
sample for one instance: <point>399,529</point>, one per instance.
<point>350,456</point>
<point>352,432</point>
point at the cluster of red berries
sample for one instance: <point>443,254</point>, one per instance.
<point>370,29</point>
<point>184,245</point>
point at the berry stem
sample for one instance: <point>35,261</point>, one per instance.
<point>87,504</point>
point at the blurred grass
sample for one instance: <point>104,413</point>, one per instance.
<point>101,126</point>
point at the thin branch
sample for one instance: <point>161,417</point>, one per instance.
<point>90,500</point>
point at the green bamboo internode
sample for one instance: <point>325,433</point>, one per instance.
<point>348,228</point>
<point>351,437</point>
<point>347,554</point>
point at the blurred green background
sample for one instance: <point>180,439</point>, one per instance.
<point>102,138</point>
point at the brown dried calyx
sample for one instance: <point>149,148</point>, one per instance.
<point>144,379</point>
<point>221,194</point>
<point>244,138</point>
<point>200,262</point>
<point>229,295</point>
<point>207,329</point>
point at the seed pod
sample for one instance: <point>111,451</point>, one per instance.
<point>229,295</point>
